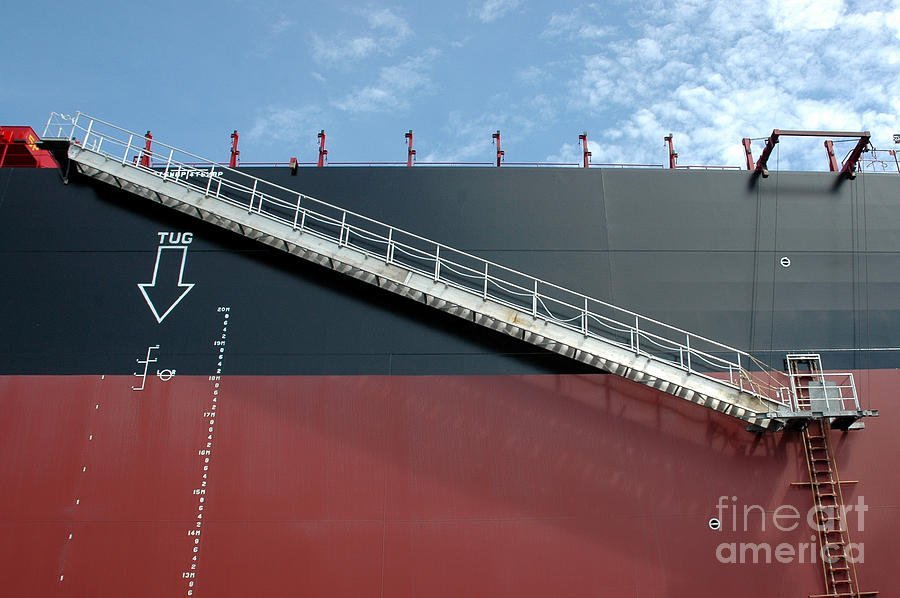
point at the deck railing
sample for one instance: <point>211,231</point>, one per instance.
<point>527,294</point>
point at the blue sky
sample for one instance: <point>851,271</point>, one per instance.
<point>628,73</point>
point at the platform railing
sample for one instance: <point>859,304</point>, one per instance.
<point>526,294</point>
<point>828,392</point>
<point>876,160</point>
<point>58,126</point>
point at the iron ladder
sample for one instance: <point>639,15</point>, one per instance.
<point>836,550</point>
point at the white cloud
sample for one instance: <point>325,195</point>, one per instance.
<point>383,19</point>
<point>470,138</point>
<point>351,49</point>
<point>281,25</point>
<point>531,75</point>
<point>491,10</point>
<point>792,15</point>
<point>542,107</point>
<point>573,153</point>
<point>286,124</point>
<point>264,44</point>
<point>385,32</point>
<point>575,26</point>
<point>394,86</point>
<point>647,50</point>
<point>711,76</point>
<point>470,135</point>
<point>544,75</point>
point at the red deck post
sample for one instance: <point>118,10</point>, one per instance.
<point>832,161</point>
<point>145,157</point>
<point>761,164</point>
<point>749,154</point>
<point>587,155</point>
<point>500,153</point>
<point>232,163</point>
<point>850,165</point>
<point>673,156</point>
<point>322,151</point>
<point>410,152</point>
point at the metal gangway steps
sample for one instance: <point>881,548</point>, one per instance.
<point>609,338</point>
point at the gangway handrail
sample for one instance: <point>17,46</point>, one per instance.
<point>527,289</point>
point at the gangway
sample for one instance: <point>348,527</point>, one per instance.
<point>601,335</point>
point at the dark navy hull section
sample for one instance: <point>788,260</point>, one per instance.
<point>699,250</point>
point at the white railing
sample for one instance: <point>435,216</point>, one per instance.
<point>58,126</point>
<point>876,160</point>
<point>828,392</point>
<point>540,299</point>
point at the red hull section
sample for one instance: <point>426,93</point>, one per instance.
<point>412,486</point>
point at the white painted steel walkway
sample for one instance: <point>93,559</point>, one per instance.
<point>601,335</point>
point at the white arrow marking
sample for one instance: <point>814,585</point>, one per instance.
<point>182,285</point>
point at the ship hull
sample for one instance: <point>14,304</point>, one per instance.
<point>283,430</point>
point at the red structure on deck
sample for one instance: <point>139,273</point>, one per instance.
<point>145,157</point>
<point>19,149</point>
<point>322,151</point>
<point>410,152</point>
<point>234,150</point>
<point>673,156</point>
<point>748,153</point>
<point>500,153</point>
<point>850,164</point>
<point>587,155</point>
